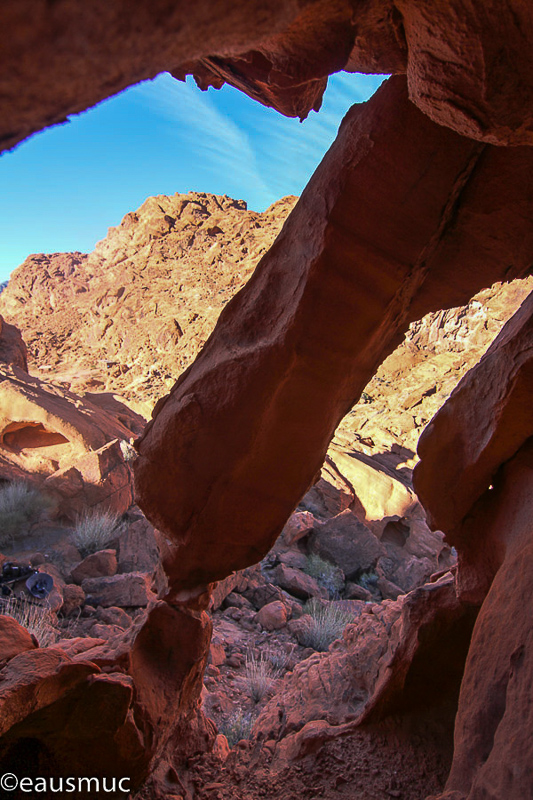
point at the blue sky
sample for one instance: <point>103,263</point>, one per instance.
<point>64,187</point>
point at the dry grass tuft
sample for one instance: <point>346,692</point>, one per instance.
<point>37,619</point>
<point>20,505</point>
<point>328,622</point>
<point>261,674</point>
<point>94,530</point>
<point>236,726</point>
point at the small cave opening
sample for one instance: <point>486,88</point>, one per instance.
<point>29,435</point>
<point>395,532</point>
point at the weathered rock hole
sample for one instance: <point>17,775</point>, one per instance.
<point>21,435</point>
<point>395,533</point>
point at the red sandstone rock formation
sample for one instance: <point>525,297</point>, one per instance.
<point>403,217</point>
<point>66,443</point>
<point>460,71</point>
<point>175,262</point>
<point>276,347</point>
<point>479,445</point>
<point>12,347</point>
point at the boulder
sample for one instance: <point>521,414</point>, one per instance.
<point>96,565</point>
<point>379,491</point>
<point>98,480</point>
<point>217,654</point>
<point>293,558</point>
<point>234,600</point>
<point>14,639</point>
<point>273,616</point>
<point>124,590</point>
<point>106,632</point>
<point>73,598</point>
<point>44,694</point>
<point>298,526</point>
<point>79,644</point>
<point>114,616</point>
<point>297,582</point>
<point>262,594</point>
<point>353,591</point>
<point>348,543</point>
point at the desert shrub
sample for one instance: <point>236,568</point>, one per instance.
<point>326,574</point>
<point>368,580</point>
<point>37,619</point>
<point>261,674</point>
<point>279,659</point>
<point>20,504</point>
<point>327,623</point>
<point>236,726</point>
<point>94,530</point>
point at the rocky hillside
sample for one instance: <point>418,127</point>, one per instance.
<point>415,380</point>
<point>129,317</point>
<point>133,314</point>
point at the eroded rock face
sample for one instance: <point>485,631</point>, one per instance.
<point>480,446</point>
<point>272,350</point>
<point>68,445</point>
<point>469,64</point>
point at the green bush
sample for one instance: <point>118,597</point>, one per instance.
<point>94,530</point>
<point>327,575</point>
<point>328,621</point>
<point>20,505</point>
<point>236,726</point>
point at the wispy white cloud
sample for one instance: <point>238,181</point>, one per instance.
<point>210,135</point>
<point>292,149</point>
<point>262,154</point>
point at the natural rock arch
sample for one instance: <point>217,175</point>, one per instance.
<point>409,212</point>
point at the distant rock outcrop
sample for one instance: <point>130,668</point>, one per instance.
<point>134,313</point>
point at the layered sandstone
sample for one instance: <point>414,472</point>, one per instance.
<point>479,444</point>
